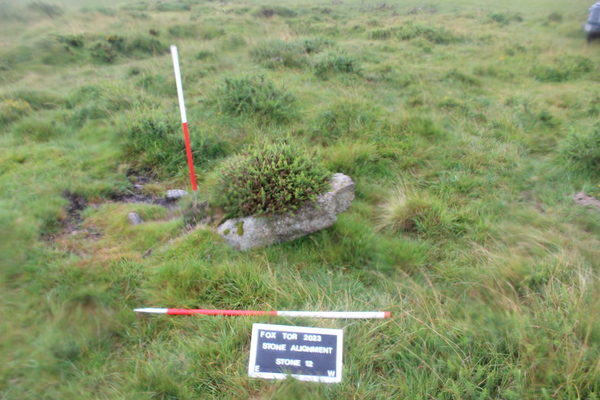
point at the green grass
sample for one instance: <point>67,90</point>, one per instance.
<point>466,126</point>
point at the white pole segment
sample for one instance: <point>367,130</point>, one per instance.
<point>334,314</point>
<point>152,310</point>
<point>175,56</point>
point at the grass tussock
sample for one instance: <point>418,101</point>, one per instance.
<point>152,142</point>
<point>257,97</point>
<point>412,30</point>
<point>408,211</point>
<point>582,151</point>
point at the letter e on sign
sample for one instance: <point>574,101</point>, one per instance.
<point>307,354</point>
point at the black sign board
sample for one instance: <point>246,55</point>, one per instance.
<point>308,354</point>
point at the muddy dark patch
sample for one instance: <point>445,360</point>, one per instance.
<point>77,203</point>
<point>135,196</point>
<point>72,223</point>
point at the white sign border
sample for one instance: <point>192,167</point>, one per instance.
<point>298,329</point>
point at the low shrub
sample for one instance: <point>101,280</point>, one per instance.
<point>153,142</point>
<point>157,84</point>
<point>211,32</point>
<point>140,6</point>
<point>39,100</point>
<point>461,77</point>
<point>334,62</point>
<point>173,7</point>
<point>138,15</point>
<point>593,108</point>
<point>71,40</point>
<point>103,53</point>
<point>204,54</point>
<point>142,46</point>
<point>316,44</point>
<point>48,9</point>
<point>94,102</point>
<point>84,94</point>
<point>116,42</point>
<point>270,179</point>
<point>276,53</point>
<point>110,12</point>
<point>563,69</point>
<point>52,50</point>
<point>13,109</point>
<point>504,18</point>
<point>40,128</point>
<point>269,11</point>
<point>292,54</point>
<point>257,96</point>
<point>345,118</point>
<point>10,59</point>
<point>381,34</point>
<point>555,17</point>
<point>434,34</point>
<point>582,151</point>
<point>232,42</point>
<point>412,30</point>
<point>423,126</point>
<point>106,50</point>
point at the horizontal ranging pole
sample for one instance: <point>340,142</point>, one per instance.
<point>314,314</point>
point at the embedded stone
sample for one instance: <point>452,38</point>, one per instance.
<point>176,194</point>
<point>134,218</point>
<point>249,232</point>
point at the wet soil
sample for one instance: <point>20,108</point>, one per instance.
<point>72,224</point>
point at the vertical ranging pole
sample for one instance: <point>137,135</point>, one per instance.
<point>186,134</point>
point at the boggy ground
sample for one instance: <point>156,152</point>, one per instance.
<point>468,127</point>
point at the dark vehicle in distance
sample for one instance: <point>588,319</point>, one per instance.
<point>592,26</point>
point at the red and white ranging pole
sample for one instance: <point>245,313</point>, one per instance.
<point>308,314</point>
<point>186,134</point>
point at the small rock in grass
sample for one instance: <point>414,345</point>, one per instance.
<point>586,200</point>
<point>176,194</point>
<point>134,218</point>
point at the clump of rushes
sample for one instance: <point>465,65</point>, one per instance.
<point>278,53</point>
<point>270,179</point>
<point>294,54</point>
<point>257,96</point>
<point>335,62</point>
<point>173,7</point>
<point>582,151</point>
<point>152,142</point>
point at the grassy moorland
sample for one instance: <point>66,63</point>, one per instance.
<point>467,125</point>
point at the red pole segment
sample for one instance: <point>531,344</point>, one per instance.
<point>306,314</point>
<point>188,149</point>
